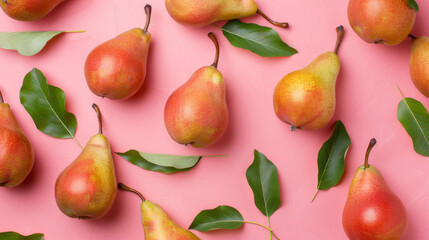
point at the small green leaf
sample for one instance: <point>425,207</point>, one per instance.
<point>263,179</point>
<point>17,236</point>
<point>331,158</point>
<point>46,105</point>
<point>161,162</point>
<point>413,4</point>
<point>415,119</point>
<point>222,217</point>
<point>27,43</point>
<point>263,41</point>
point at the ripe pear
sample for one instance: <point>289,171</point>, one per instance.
<point>306,98</point>
<point>199,13</point>
<point>196,113</point>
<point>157,224</point>
<point>117,68</point>
<point>381,21</point>
<point>16,152</point>
<point>372,210</point>
<point>87,187</point>
<point>419,64</point>
<point>28,10</point>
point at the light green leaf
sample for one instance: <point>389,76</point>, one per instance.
<point>46,105</point>
<point>161,162</point>
<point>17,236</point>
<point>222,217</point>
<point>27,43</point>
<point>260,40</point>
<point>263,179</point>
<point>413,4</point>
<point>332,157</point>
<point>415,119</point>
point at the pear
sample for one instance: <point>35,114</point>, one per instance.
<point>419,64</point>
<point>28,10</point>
<point>199,13</point>
<point>117,68</point>
<point>381,21</point>
<point>196,113</point>
<point>16,152</point>
<point>157,224</point>
<point>87,187</point>
<point>372,211</point>
<point>306,98</point>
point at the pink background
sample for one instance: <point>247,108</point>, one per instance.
<point>367,102</point>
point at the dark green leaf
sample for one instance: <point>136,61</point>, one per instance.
<point>263,41</point>
<point>263,179</point>
<point>161,162</point>
<point>27,43</point>
<point>415,119</point>
<point>17,236</point>
<point>331,158</point>
<point>413,4</point>
<point>222,217</point>
<point>46,105</point>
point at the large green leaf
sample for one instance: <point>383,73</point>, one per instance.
<point>17,236</point>
<point>413,4</point>
<point>27,43</point>
<point>161,162</point>
<point>263,41</point>
<point>222,217</point>
<point>263,179</point>
<point>415,119</point>
<point>46,105</point>
<point>332,157</point>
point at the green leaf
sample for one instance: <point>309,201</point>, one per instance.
<point>46,105</point>
<point>17,236</point>
<point>263,41</point>
<point>263,179</point>
<point>415,119</point>
<point>413,4</point>
<point>222,217</point>
<point>27,43</point>
<point>161,162</point>
<point>331,158</point>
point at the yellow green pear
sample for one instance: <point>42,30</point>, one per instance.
<point>305,98</point>
<point>419,64</point>
<point>157,224</point>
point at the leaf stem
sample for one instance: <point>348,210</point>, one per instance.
<point>370,146</point>
<point>268,228</point>
<point>100,124</point>
<point>148,11</point>
<point>314,196</point>
<point>269,225</point>
<point>79,31</point>
<point>74,138</point>
<point>216,43</point>
<point>124,187</point>
<point>278,24</point>
<point>340,34</point>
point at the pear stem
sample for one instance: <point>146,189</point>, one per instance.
<point>412,36</point>
<point>124,187</point>
<point>340,34</point>
<point>5,1</point>
<point>278,24</point>
<point>148,11</point>
<point>1,98</point>
<point>216,43</point>
<point>370,146</point>
<point>269,229</point>
<point>100,125</point>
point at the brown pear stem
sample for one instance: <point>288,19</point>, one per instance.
<point>124,187</point>
<point>370,146</point>
<point>5,1</point>
<point>100,125</point>
<point>216,43</point>
<point>278,24</point>
<point>1,98</point>
<point>148,11</point>
<point>412,36</point>
<point>340,34</point>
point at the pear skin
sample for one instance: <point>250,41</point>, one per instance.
<point>197,113</point>
<point>306,98</point>
<point>87,187</point>
<point>117,68</point>
<point>28,10</point>
<point>381,21</point>
<point>419,64</point>
<point>157,224</point>
<point>372,211</point>
<point>16,152</point>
